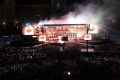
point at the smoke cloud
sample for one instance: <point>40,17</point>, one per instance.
<point>88,13</point>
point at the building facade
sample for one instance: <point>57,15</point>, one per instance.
<point>7,12</point>
<point>13,12</point>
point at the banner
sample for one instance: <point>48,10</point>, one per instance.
<point>94,29</point>
<point>28,31</point>
<point>88,37</point>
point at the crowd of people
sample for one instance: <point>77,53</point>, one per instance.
<point>48,62</point>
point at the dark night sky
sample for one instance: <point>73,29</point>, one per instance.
<point>22,2</point>
<point>1,2</point>
<point>42,1</point>
<point>29,2</point>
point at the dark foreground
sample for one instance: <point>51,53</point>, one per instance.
<point>49,63</point>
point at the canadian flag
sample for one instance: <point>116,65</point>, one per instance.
<point>88,37</point>
<point>29,31</point>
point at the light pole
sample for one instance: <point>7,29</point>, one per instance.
<point>58,6</point>
<point>88,27</point>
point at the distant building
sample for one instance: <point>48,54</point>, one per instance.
<point>7,13</point>
<point>17,11</point>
